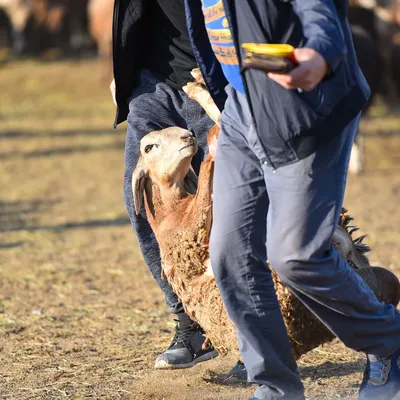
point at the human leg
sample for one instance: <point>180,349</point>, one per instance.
<point>305,202</point>
<point>238,258</point>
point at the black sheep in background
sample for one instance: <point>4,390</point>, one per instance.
<point>369,59</point>
<point>395,62</point>
<point>371,64</point>
<point>5,31</point>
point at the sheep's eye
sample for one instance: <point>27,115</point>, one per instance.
<point>148,148</point>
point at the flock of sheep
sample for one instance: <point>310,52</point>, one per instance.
<point>74,27</point>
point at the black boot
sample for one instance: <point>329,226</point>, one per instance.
<point>185,350</point>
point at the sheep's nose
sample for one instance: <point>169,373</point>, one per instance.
<point>187,136</point>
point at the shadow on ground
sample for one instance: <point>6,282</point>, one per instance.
<point>21,216</point>
<point>61,151</point>
<point>20,134</point>
<point>331,369</point>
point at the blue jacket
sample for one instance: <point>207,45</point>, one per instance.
<point>291,125</point>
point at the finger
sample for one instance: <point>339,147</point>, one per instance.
<point>283,80</point>
<point>297,78</point>
<point>299,75</point>
<point>303,54</point>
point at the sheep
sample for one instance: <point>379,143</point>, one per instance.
<point>18,13</point>
<point>5,32</point>
<point>178,207</point>
<point>371,64</point>
<point>395,60</point>
<point>100,14</point>
<point>41,24</point>
<point>386,24</point>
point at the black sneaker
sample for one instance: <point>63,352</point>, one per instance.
<point>186,349</point>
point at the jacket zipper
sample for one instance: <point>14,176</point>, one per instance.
<point>227,7</point>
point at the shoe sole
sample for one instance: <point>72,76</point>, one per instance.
<point>204,357</point>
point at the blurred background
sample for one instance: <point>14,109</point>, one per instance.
<point>80,316</point>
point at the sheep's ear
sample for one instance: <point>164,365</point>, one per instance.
<point>191,181</point>
<point>138,180</point>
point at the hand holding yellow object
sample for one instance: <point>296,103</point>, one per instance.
<point>277,58</point>
<point>277,50</point>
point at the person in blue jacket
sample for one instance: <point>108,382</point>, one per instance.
<point>279,181</point>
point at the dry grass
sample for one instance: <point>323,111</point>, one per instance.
<point>80,316</point>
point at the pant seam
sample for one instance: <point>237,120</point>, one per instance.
<point>251,230</point>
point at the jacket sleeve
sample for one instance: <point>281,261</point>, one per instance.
<point>322,28</point>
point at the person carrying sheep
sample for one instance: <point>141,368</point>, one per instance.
<point>279,181</point>
<point>152,61</point>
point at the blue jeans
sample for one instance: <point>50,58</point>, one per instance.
<point>154,105</point>
<point>291,212</point>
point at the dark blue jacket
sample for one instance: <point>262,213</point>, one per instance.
<point>291,125</point>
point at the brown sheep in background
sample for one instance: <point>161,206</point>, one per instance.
<point>58,24</point>
<point>100,14</point>
<point>38,25</point>
<point>18,12</point>
<point>180,216</point>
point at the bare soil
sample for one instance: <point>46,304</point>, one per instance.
<point>80,315</point>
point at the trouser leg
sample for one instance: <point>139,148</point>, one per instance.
<point>154,106</point>
<point>305,200</point>
<point>238,258</point>
<point>305,204</point>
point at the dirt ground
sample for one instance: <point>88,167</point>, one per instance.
<point>80,316</point>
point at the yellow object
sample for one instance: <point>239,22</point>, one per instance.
<point>278,50</point>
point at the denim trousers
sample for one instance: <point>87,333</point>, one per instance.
<point>154,105</point>
<point>287,216</point>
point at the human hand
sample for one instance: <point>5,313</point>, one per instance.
<point>310,71</point>
<point>112,90</point>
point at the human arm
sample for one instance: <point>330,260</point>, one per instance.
<point>324,48</point>
<point>321,27</point>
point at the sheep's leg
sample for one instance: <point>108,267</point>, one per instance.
<point>198,91</point>
<point>205,180</point>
